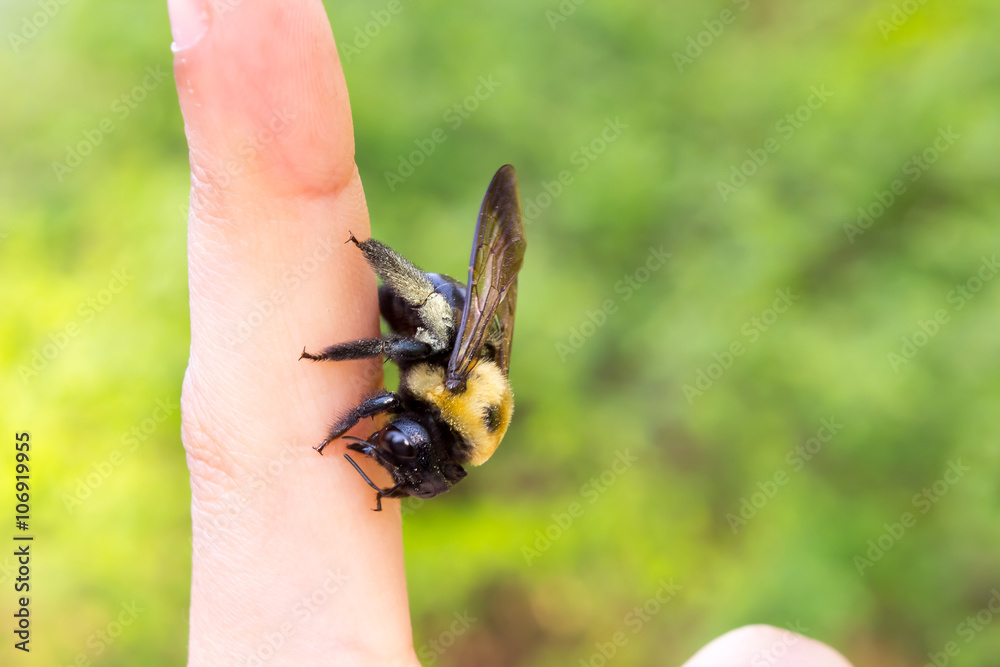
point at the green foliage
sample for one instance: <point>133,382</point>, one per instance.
<point>689,368</point>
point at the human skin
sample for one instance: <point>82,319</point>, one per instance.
<point>290,566</point>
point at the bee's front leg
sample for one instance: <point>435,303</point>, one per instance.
<point>376,404</point>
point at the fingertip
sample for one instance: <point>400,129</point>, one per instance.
<point>263,96</point>
<point>766,644</point>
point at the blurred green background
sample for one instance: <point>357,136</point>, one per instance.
<point>741,138</point>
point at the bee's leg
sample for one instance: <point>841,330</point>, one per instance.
<point>396,271</point>
<point>379,493</point>
<point>355,349</point>
<point>394,492</point>
<point>395,348</point>
<point>376,404</point>
<point>413,286</point>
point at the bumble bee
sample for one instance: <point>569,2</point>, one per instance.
<point>452,344</point>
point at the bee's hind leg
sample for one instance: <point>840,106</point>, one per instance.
<point>413,286</point>
<point>376,404</point>
<point>396,271</point>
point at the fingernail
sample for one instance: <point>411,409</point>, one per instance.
<point>188,22</point>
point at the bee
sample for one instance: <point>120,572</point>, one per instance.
<point>452,344</point>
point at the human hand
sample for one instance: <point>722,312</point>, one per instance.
<point>290,566</point>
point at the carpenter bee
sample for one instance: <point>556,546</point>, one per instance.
<point>452,344</point>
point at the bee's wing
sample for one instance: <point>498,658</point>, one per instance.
<point>491,294</point>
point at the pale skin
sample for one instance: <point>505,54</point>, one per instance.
<point>290,565</point>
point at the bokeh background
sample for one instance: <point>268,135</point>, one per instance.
<point>739,138</point>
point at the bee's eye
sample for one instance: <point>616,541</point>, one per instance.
<point>398,444</point>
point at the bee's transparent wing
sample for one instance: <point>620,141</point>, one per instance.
<point>491,294</point>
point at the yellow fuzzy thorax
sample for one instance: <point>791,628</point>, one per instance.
<point>487,401</point>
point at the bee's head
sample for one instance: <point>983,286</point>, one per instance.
<point>404,449</point>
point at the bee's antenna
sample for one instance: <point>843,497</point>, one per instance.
<point>362,473</point>
<point>379,492</point>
